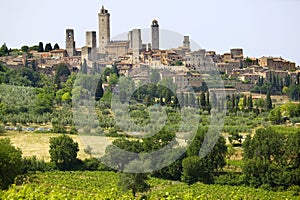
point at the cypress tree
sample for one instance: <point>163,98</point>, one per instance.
<point>268,101</point>
<point>99,90</point>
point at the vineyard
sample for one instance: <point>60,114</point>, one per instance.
<point>104,185</point>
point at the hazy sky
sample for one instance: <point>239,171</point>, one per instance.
<point>261,27</point>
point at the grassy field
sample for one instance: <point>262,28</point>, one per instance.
<point>37,144</point>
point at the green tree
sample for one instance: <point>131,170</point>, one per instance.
<point>63,152</point>
<point>192,99</point>
<point>62,73</point>
<point>181,99</point>
<point>94,69</point>
<point>41,47</point>
<point>34,48</point>
<point>136,182</point>
<point>241,104</point>
<point>294,92</point>
<point>207,165</point>
<point>250,102</point>
<point>66,97</point>
<point>264,160</point>
<point>114,70</point>
<point>25,49</point>
<point>113,80</point>
<point>99,91</point>
<point>56,46</point>
<point>194,170</point>
<point>2,129</point>
<point>4,50</point>
<point>186,99</point>
<point>275,116</point>
<point>268,103</point>
<point>10,163</point>
<point>48,47</point>
<point>84,67</point>
<point>202,100</point>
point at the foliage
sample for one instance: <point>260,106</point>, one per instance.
<point>32,164</point>
<point>272,159</point>
<point>25,49</point>
<point>4,50</point>
<point>268,102</point>
<point>10,163</point>
<point>294,92</point>
<point>2,129</point>
<point>48,47</point>
<point>134,182</point>
<point>63,152</point>
<point>41,47</point>
<point>103,185</point>
<point>202,169</point>
<point>99,91</point>
<point>62,73</point>
<point>56,46</point>
<point>84,67</point>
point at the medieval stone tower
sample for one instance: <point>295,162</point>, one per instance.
<point>155,35</point>
<point>186,42</point>
<point>70,42</point>
<point>135,43</point>
<point>91,40</point>
<point>104,29</point>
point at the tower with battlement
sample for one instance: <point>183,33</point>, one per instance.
<point>104,29</point>
<point>155,35</point>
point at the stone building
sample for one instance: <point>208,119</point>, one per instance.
<point>70,42</point>
<point>186,48</point>
<point>251,78</point>
<point>91,39</point>
<point>237,54</point>
<point>104,29</point>
<point>194,60</point>
<point>155,35</point>
<point>135,43</point>
<point>58,53</point>
<point>277,63</point>
<point>226,57</point>
<point>186,42</point>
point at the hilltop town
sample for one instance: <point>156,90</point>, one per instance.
<point>134,59</point>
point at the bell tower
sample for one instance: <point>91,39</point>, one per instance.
<point>104,29</point>
<point>155,35</point>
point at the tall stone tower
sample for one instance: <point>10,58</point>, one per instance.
<point>155,35</point>
<point>186,42</point>
<point>135,43</point>
<point>70,42</point>
<point>91,45</point>
<point>91,40</point>
<point>104,29</point>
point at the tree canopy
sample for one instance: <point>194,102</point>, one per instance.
<point>63,151</point>
<point>10,163</point>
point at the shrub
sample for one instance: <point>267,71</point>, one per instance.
<point>10,163</point>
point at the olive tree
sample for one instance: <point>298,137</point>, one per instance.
<point>63,152</point>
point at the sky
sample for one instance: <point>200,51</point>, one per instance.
<point>260,27</point>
